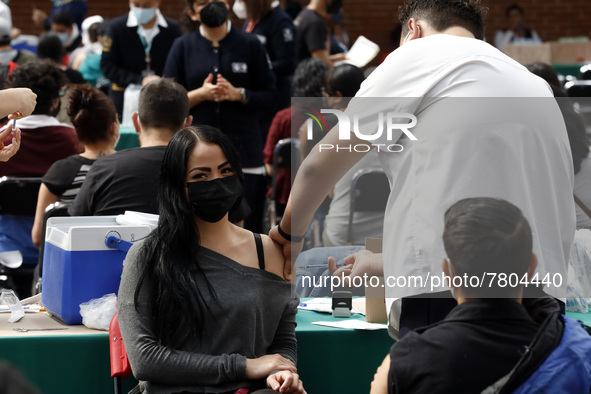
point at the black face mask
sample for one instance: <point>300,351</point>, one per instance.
<point>214,14</point>
<point>212,200</point>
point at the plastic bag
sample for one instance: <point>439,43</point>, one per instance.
<point>131,98</point>
<point>575,301</point>
<point>98,312</point>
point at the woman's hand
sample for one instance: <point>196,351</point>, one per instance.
<point>260,368</point>
<point>208,90</point>
<point>228,92</point>
<point>286,382</point>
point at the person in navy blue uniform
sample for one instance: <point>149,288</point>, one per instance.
<point>275,29</point>
<point>230,83</point>
<point>135,47</point>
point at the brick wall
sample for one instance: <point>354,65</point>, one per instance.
<point>374,18</point>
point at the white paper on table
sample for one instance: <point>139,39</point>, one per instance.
<point>353,324</point>
<point>323,305</point>
<point>362,52</point>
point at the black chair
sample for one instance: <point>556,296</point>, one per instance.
<point>369,193</point>
<point>586,72</point>
<point>580,93</point>
<point>578,88</point>
<point>286,155</point>
<point>18,197</point>
<point>53,210</point>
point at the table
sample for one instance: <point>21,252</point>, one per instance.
<point>128,138</point>
<point>76,360</point>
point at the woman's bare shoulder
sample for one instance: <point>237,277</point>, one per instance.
<point>274,259</point>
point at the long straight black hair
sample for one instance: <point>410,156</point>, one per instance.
<point>178,288</point>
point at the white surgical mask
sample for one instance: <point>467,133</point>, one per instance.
<point>239,9</point>
<point>143,15</point>
<point>64,37</point>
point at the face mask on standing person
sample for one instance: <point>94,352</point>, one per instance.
<point>214,14</point>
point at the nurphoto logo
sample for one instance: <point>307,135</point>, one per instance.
<point>389,122</point>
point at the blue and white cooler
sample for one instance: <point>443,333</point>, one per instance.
<point>83,259</point>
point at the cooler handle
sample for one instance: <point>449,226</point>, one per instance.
<point>115,242</point>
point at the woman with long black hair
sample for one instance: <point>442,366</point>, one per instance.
<point>202,304</point>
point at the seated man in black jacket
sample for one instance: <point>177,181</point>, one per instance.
<point>489,339</point>
<point>128,180</point>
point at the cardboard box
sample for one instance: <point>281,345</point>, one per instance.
<point>550,52</point>
<point>375,297</point>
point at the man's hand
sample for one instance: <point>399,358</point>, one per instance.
<point>6,152</point>
<point>286,382</point>
<point>288,248</point>
<point>379,385</point>
<point>358,264</point>
<point>261,367</point>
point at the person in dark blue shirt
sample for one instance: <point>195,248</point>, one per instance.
<point>275,29</point>
<point>230,83</point>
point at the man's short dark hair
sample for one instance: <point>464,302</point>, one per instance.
<point>94,31</point>
<point>487,235</point>
<point>50,47</point>
<point>62,18</point>
<point>443,14</point>
<point>512,7</point>
<point>163,104</point>
<point>44,78</point>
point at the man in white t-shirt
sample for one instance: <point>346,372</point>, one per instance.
<point>484,126</point>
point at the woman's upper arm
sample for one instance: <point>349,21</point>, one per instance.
<point>44,199</point>
<point>274,259</point>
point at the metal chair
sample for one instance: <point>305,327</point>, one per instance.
<point>286,155</point>
<point>18,198</point>
<point>369,193</point>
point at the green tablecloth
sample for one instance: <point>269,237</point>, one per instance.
<point>584,317</point>
<point>330,360</point>
<point>568,69</point>
<point>129,138</point>
<point>334,360</point>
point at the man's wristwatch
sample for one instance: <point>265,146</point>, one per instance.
<point>243,99</point>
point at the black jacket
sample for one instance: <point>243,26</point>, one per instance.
<point>123,58</point>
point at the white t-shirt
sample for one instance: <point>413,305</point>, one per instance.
<point>484,130</point>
